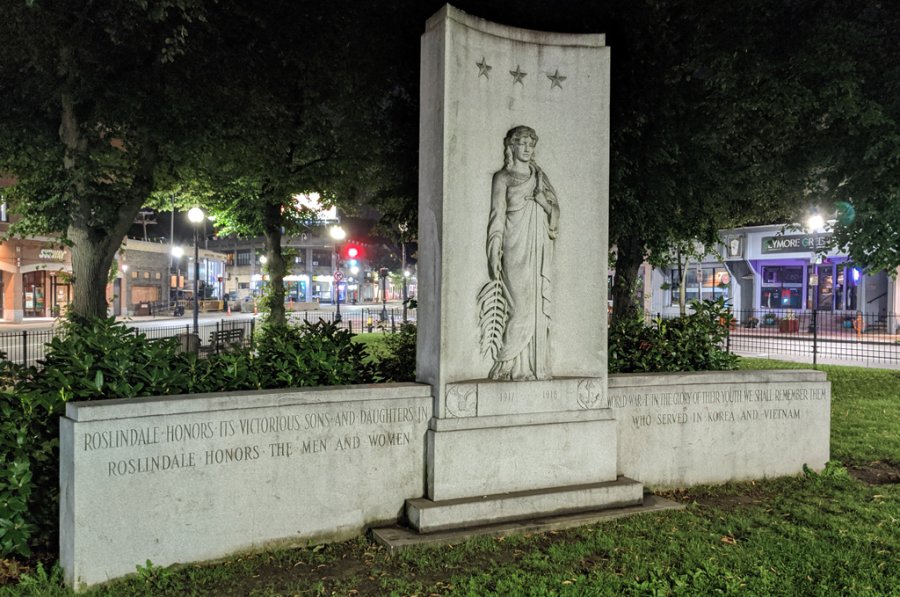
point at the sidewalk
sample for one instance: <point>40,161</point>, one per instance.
<point>46,323</point>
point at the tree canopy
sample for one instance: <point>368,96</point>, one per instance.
<point>722,115</point>
<point>106,103</point>
<point>93,97</point>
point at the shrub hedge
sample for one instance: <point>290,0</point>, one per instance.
<point>691,343</point>
<point>101,359</point>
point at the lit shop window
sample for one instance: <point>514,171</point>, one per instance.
<point>837,288</point>
<point>707,283</point>
<point>782,287</point>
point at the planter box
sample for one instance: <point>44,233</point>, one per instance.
<point>789,326</point>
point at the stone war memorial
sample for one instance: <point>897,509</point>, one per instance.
<point>514,422</point>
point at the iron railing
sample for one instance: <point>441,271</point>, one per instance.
<point>357,321</point>
<point>814,336</point>
<point>27,347</point>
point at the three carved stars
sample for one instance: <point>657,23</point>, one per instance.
<point>519,75</point>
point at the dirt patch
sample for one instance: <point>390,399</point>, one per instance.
<point>877,473</point>
<point>12,569</point>
<point>727,500</point>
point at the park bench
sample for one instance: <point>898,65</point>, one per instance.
<point>225,339</point>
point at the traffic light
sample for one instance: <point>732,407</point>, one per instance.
<point>352,252</point>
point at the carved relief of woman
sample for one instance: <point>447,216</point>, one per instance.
<point>523,224</point>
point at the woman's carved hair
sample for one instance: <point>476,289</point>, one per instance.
<point>513,135</point>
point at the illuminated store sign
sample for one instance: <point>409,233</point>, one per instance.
<point>796,243</point>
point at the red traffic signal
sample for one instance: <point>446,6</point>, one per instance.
<point>352,251</point>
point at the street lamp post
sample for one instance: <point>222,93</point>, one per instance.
<point>403,227</point>
<point>338,234</point>
<point>195,215</point>
<point>406,275</point>
<point>177,254</point>
<point>814,223</point>
<point>263,260</point>
<point>383,274</point>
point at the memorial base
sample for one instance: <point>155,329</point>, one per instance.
<point>427,516</point>
<point>396,538</point>
<point>492,469</point>
<point>478,456</point>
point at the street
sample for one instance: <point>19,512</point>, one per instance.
<point>24,342</point>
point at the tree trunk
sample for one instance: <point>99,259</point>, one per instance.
<point>682,282</point>
<point>275,259</point>
<point>96,228</point>
<point>91,262</point>
<point>93,251</point>
<point>629,257</point>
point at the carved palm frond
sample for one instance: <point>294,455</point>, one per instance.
<point>493,311</point>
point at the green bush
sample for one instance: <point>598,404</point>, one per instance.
<point>101,359</point>
<point>690,343</point>
<point>311,354</point>
<point>396,359</point>
<point>27,452</point>
<point>87,361</point>
<point>232,370</point>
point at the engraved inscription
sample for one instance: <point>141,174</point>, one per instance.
<point>718,406</point>
<point>298,436</point>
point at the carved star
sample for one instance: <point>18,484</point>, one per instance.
<point>518,75</point>
<point>556,79</point>
<point>483,68</point>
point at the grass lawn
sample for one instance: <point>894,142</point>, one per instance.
<point>865,411</point>
<point>819,534</point>
<point>374,344</point>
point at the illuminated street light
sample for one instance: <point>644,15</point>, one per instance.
<point>815,222</point>
<point>196,215</point>
<point>338,234</point>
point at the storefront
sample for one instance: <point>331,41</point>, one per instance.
<point>296,288</point>
<point>34,294</point>
<point>764,269</point>
<point>42,288</point>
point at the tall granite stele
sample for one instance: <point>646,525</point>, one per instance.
<point>513,200</point>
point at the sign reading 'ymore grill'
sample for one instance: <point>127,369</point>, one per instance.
<point>795,243</point>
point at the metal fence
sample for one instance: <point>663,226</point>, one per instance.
<point>871,338</point>
<point>813,336</point>
<point>27,347</point>
<point>357,321</point>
